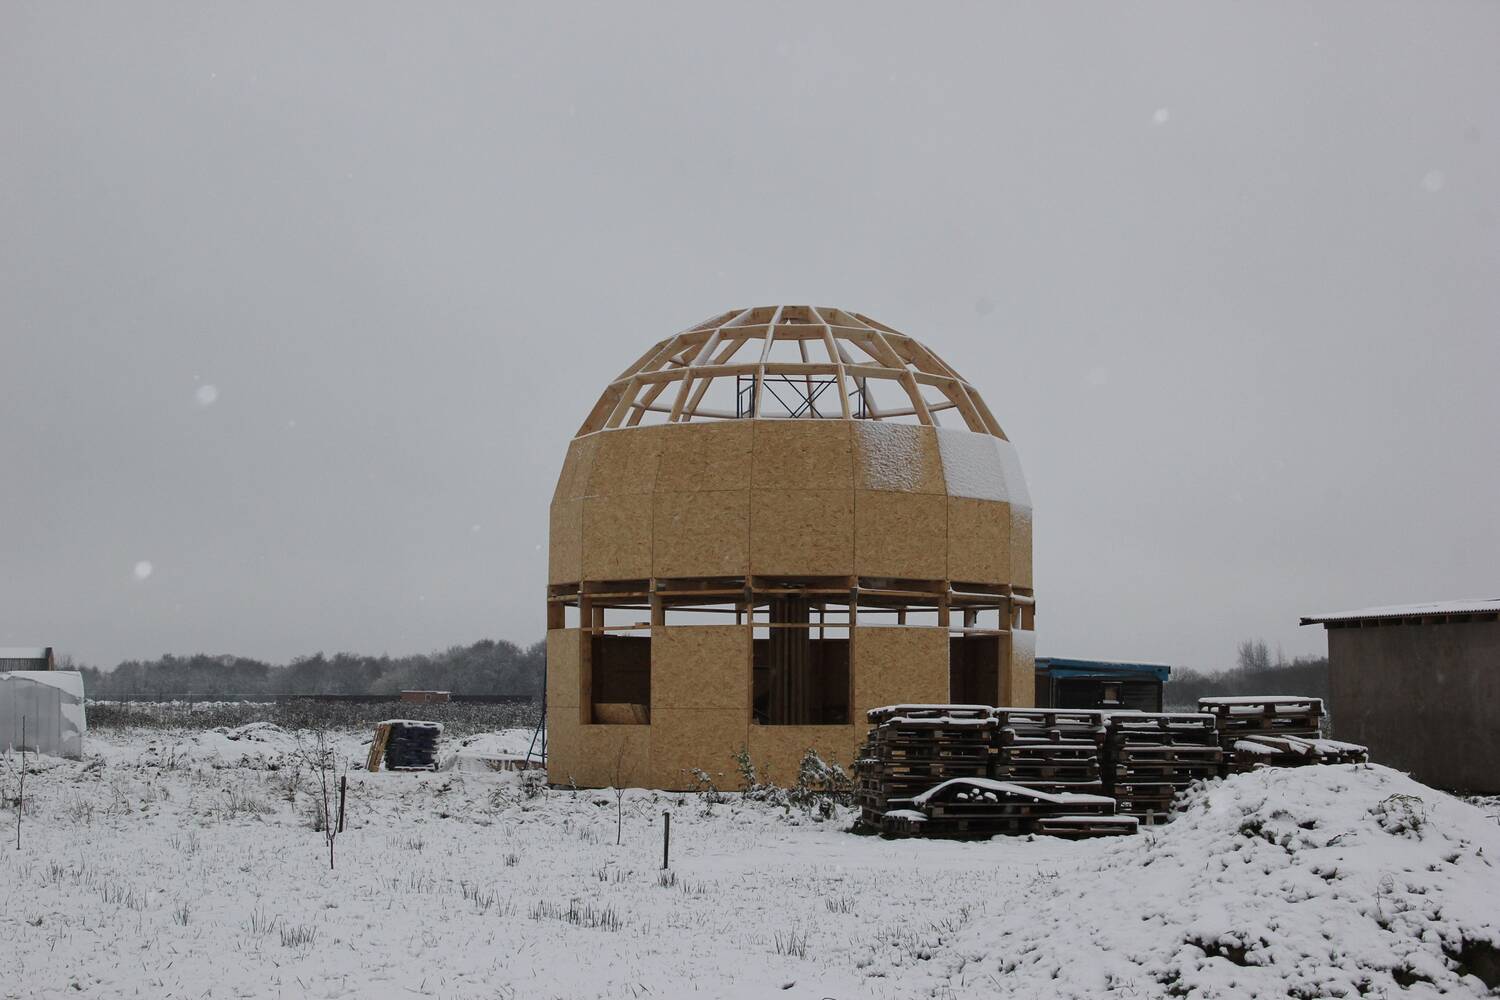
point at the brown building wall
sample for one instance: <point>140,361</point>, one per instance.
<point>1423,698</point>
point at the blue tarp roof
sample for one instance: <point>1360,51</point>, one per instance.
<point>1064,666</point>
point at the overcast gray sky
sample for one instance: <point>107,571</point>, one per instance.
<point>300,304</point>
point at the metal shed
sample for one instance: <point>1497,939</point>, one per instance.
<point>1420,685</point>
<point>1062,682</point>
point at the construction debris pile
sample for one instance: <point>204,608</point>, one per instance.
<point>1276,731</point>
<point>976,771</point>
<point>405,745</point>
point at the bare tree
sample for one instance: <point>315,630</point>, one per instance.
<point>619,782</point>
<point>323,760</point>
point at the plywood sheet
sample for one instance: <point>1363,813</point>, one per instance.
<point>564,678</point>
<point>802,532</point>
<point>776,751</point>
<point>900,457</point>
<point>565,542</point>
<point>613,757</point>
<point>899,665</point>
<point>700,666</point>
<point>573,481</point>
<point>686,738</point>
<point>1019,686</point>
<point>802,455</point>
<point>701,534</point>
<point>564,746</point>
<point>1020,546</point>
<point>617,537</point>
<point>626,461</point>
<point>978,541</point>
<point>712,456</point>
<point>903,535</point>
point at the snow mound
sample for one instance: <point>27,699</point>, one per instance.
<point>1348,880</point>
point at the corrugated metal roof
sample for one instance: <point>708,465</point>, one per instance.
<point>23,652</point>
<point>1476,606</point>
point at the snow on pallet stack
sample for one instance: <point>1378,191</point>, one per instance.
<point>405,745</point>
<point>939,770</point>
<point>1151,757</point>
<point>1276,731</point>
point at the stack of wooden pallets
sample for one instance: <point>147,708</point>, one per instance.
<point>1053,750</point>
<point>982,807</point>
<point>914,747</point>
<point>1151,757</point>
<point>1276,731</point>
<point>975,771</point>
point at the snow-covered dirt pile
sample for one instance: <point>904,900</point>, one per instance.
<point>185,865</point>
<point>1313,882</point>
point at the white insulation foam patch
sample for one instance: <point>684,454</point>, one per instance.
<point>982,467</point>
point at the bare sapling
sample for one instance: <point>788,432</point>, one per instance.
<point>21,785</point>
<point>323,760</point>
<point>620,794</point>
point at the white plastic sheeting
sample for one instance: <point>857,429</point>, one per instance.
<point>51,703</point>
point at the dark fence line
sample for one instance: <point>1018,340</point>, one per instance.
<point>348,699</point>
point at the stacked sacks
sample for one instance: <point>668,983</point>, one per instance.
<point>1276,731</point>
<point>412,745</point>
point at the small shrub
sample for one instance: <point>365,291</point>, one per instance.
<point>300,936</point>
<point>791,943</point>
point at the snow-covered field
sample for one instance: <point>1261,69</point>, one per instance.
<point>185,866</point>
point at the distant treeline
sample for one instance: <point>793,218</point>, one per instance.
<point>486,667</point>
<point>1255,672</point>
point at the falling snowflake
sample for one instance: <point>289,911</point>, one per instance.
<point>206,395</point>
<point>1162,116</point>
<point>144,569</point>
<point>1433,181</point>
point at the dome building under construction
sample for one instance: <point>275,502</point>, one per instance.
<point>770,523</point>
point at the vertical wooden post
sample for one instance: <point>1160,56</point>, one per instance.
<point>666,840</point>
<point>343,787</point>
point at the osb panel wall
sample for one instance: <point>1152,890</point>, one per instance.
<point>613,756</point>
<point>901,535</point>
<point>565,546</point>
<point>701,534</point>
<point>713,456</point>
<point>626,461</point>
<point>564,744</point>
<point>700,666</point>
<point>901,665</point>
<point>802,455</point>
<point>573,481</point>
<point>899,457</point>
<point>802,532</point>
<point>776,751</point>
<point>1020,547</point>
<point>687,738</point>
<point>564,677</point>
<point>617,537</point>
<point>978,541</point>
<point>1020,684</point>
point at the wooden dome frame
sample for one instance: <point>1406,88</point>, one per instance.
<point>738,344</point>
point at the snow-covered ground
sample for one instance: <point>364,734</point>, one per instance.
<point>185,865</point>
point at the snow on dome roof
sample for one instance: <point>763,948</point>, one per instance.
<point>1474,606</point>
<point>790,362</point>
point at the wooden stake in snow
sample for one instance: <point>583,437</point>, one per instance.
<point>666,840</point>
<point>343,787</point>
